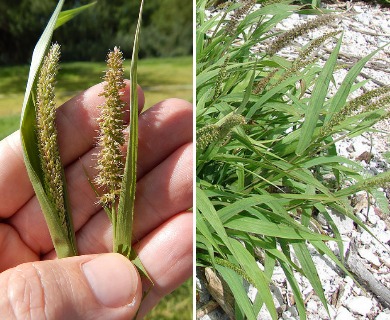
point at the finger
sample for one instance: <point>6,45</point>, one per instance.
<point>160,194</point>
<point>15,186</point>
<point>13,251</point>
<point>162,129</point>
<point>77,126</point>
<point>172,246</point>
<point>164,191</point>
<point>77,121</point>
<point>86,287</point>
<point>159,203</point>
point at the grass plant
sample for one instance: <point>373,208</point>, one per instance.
<point>260,187</point>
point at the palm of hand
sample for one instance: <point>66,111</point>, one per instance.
<point>164,190</point>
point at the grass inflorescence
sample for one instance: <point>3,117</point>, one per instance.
<point>110,163</point>
<point>284,39</point>
<point>217,132</point>
<point>238,14</point>
<point>47,131</point>
<point>372,100</point>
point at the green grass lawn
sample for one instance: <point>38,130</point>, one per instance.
<point>160,78</point>
<point>8,124</point>
<point>176,306</point>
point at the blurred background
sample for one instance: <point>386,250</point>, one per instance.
<point>165,66</point>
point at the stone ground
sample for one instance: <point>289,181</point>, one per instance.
<point>366,28</point>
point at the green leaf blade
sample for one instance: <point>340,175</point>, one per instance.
<point>67,15</point>
<point>62,236</point>
<point>123,227</point>
<point>235,285</point>
<point>317,100</point>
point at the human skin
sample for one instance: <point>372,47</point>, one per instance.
<point>98,284</point>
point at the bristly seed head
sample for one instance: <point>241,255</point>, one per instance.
<point>372,100</point>
<point>218,133</point>
<point>47,132</point>
<point>246,6</point>
<point>287,37</point>
<point>110,161</point>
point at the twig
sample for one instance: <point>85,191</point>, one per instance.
<point>220,292</point>
<point>364,277</point>
<point>353,59</point>
<point>379,83</point>
<point>370,33</point>
<point>206,309</point>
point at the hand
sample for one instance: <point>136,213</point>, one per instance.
<point>97,284</point>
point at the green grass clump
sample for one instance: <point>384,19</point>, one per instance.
<point>262,182</point>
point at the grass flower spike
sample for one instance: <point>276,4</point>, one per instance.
<point>246,6</point>
<point>110,160</point>
<point>287,37</point>
<point>59,219</point>
<point>47,132</point>
<point>219,131</point>
<point>207,135</point>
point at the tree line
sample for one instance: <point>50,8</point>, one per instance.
<point>166,29</point>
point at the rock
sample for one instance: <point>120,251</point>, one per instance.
<point>343,223</point>
<point>344,314</point>
<point>381,225</point>
<point>385,315</point>
<point>278,275</point>
<point>217,314</point>
<point>358,9</point>
<point>360,305</point>
<point>372,217</point>
<point>204,296</point>
<point>293,311</point>
<point>324,315</point>
<point>311,306</point>
<point>365,238</point>
<point>277,296</point>
<point>350,148</point>
<point>286,315</point>
<point>264,314</point>
<point>360,143</point>
<point>356,290</point>
<point>369,256</point>
<point>361,216</point>
<point>387,262</point>
<point>322,220</point>
<point>346,241</point>
<point>252,292</point>
<point>365,156</point>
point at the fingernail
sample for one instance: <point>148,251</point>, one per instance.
<point>112,279</point>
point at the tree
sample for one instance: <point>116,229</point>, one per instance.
<point>166,31</point>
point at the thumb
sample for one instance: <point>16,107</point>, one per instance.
<point>86,287</point>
